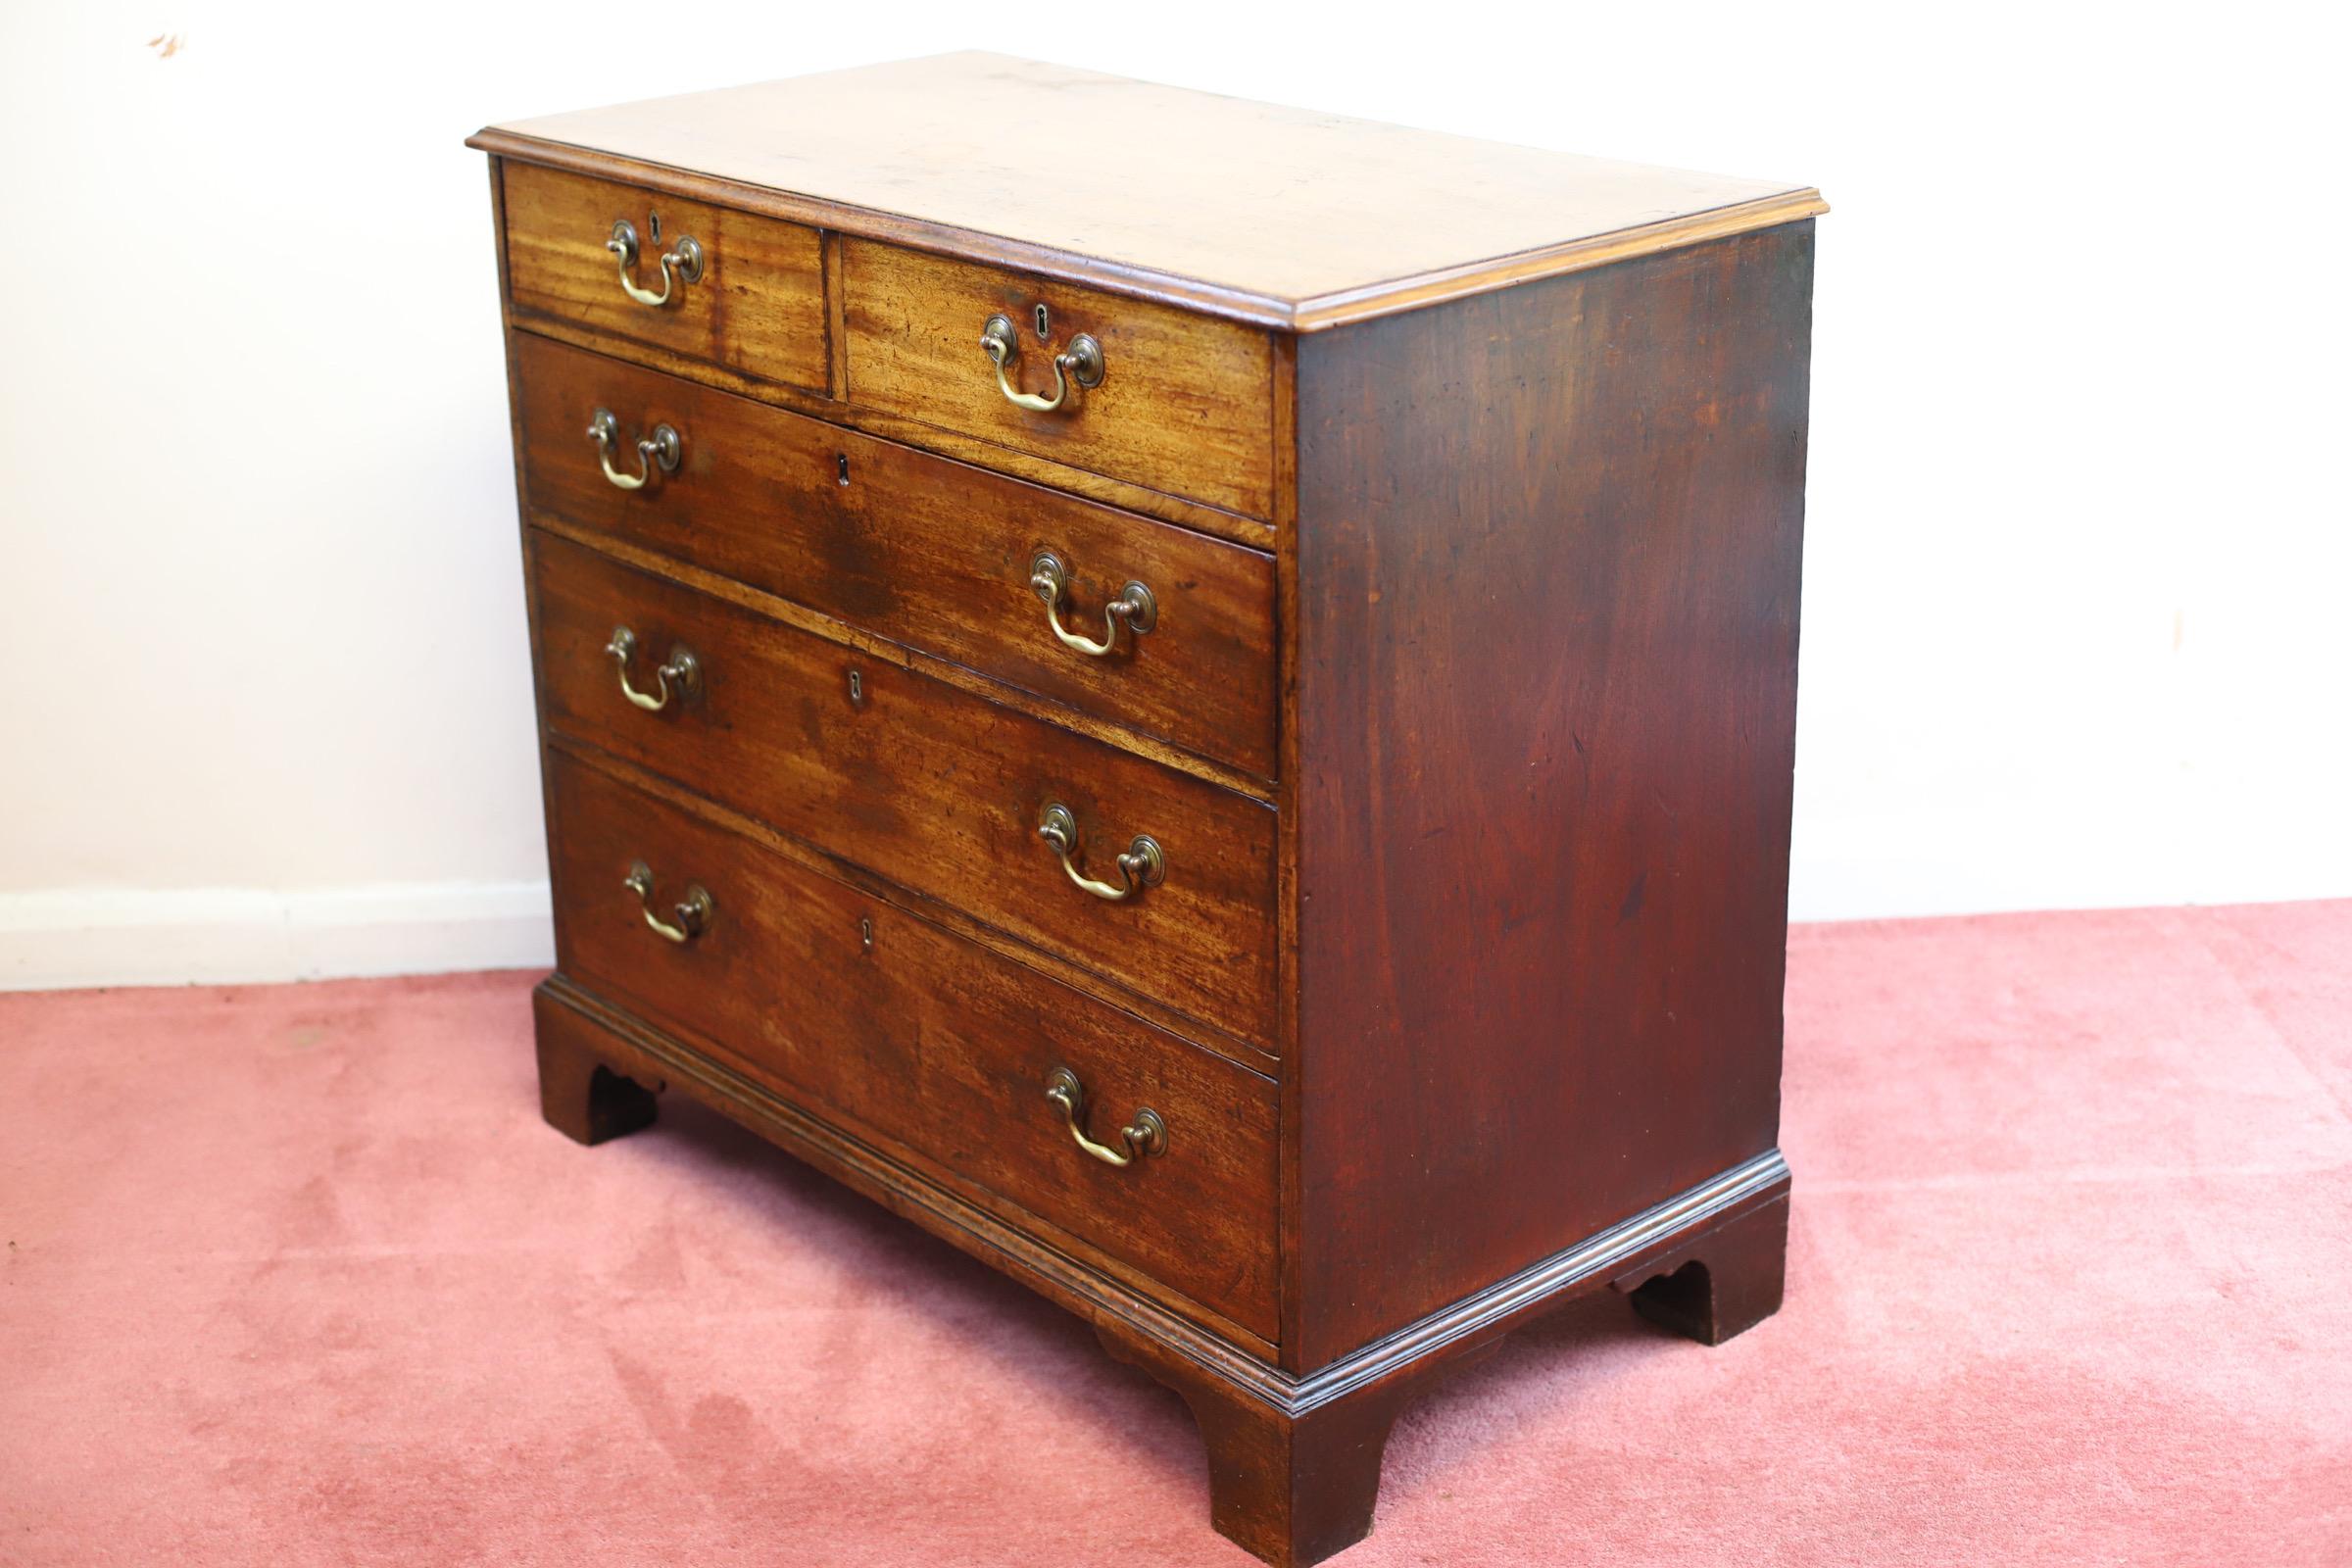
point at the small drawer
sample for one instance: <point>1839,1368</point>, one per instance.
<point>930,552</point>
<point>907,1034</point>
<point>703,281</point>
<point>939,791</point>
<point>1177,402</point>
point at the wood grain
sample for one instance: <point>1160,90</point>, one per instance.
<point>1184,404</point>
<point>1472,764</point>
<point>1549,545</point>
<point>926,552</point>
<point>937,790</point>
<point>889,1026</point>
<point>1250,532</point>
<point>1037,1254</point>
<point>947,916</point>
<point>758,308</point>
<point>889,652</point>
<point>1284,216</point>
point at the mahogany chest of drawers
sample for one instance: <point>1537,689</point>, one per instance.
<point>1197,698</point>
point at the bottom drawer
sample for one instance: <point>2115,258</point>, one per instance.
<point>920,1041</point>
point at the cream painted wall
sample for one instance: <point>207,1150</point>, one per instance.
<point>2076,559</point>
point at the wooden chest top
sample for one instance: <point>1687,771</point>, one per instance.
<point>1280,217</point>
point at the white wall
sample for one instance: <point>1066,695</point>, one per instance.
<point>2078,551</point>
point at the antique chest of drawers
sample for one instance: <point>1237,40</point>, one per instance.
<point>1197,698</point>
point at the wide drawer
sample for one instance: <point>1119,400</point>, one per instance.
<point>1184,403</point>
<point>747,293</point>
<point>931,553</point>
<point>910,1034</point>
<point>931,787</point>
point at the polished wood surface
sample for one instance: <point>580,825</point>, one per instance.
<point>889,652</point>
<point>933,789</point>
<point>758,308</point>
<point>925,1044</point>
<point>932,553</point>
<point>1184,403</point>
<point>1285,216</point>
<point>1544,811</point>
<point>1468,481</point>
<point>1250,532</point>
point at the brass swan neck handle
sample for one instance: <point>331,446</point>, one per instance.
<point>656,453</point>
<point>1081,364</point>
<point>1144,865</point>
<point>686,256</point>
<point>1144,1133</point>
<point>681,677</point>
<point>1134,608</point>
<point>693,913</point>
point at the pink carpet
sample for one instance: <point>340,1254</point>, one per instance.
<point>294,1275</point>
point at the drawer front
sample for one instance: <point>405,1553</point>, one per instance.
<point>1185,404</point>
<point>935,789</point>
<point>911,1035</point>
<point>757,306</point>
<point>933,554</point>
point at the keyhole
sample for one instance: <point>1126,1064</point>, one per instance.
<point>841,468</point>
<point>857,688</point>
<point>1043,325</point>
<point>865,933</point>
<point>653,224</point>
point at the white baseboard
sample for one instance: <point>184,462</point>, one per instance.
<point>215,936</point>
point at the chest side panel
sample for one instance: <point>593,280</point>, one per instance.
<point>1547,560</point>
